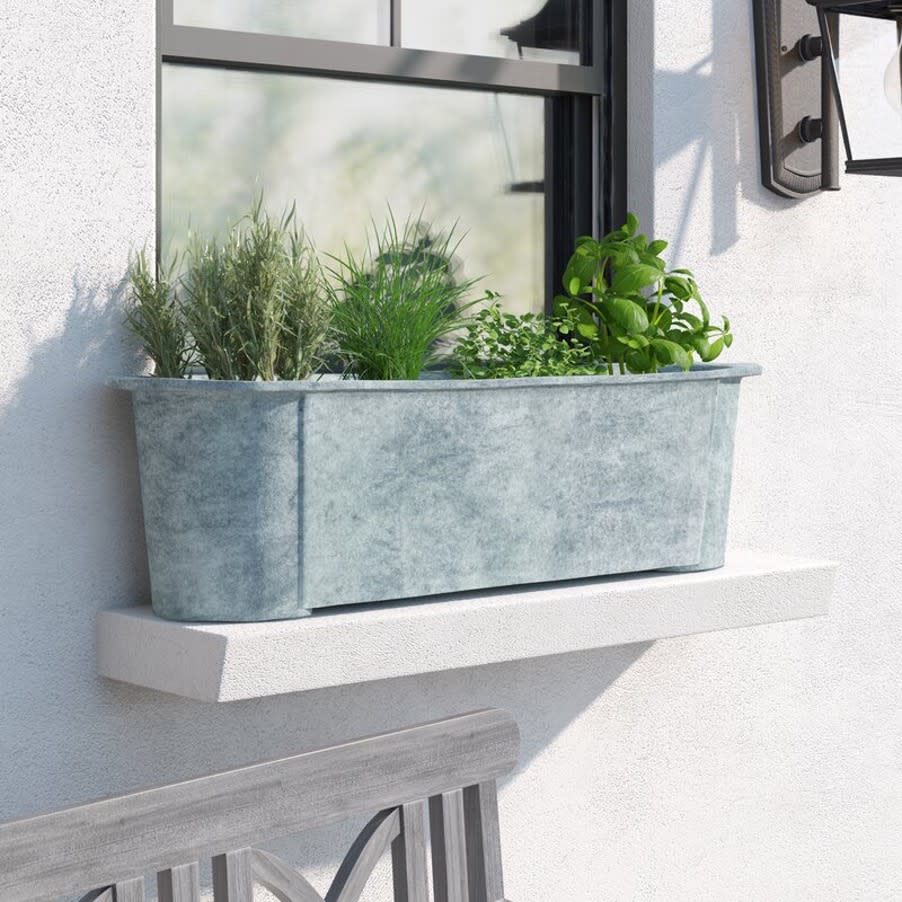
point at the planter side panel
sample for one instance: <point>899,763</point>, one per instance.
<point>720,479</point>
<point>409,494</point>
<point>219,481</point>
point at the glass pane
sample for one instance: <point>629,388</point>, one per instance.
<point>345,150</point>
<point>531,29</point>
<point>357,21</point>
<point>867,47</point>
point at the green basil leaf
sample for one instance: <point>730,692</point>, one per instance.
<point>582,268</point>
<point>636,342</point>
<point>634,277</point>
<point>679,287</point>
<point>665,317</point>
<point>713,351</point>
<point>627,314</point>
<point>670,352</point>
<point>692,321</point>
<point>640,362</point>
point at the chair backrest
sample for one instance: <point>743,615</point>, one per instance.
<point>433,784</point>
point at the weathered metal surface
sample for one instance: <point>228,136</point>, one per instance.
<point>265,500</point>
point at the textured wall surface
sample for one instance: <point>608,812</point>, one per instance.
<point>760,765</point>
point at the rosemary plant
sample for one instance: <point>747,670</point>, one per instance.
<point>251,306</point>
<point>153,314</point>
<point>254,304</point>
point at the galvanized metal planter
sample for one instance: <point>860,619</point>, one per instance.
<point>264,501</point>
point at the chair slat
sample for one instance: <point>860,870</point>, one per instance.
<point>179,884</point>
<point>409,867</point>
<point>484,870</point>
<point>130,890</point>
<point>233,879</point>
<point>449,847</point>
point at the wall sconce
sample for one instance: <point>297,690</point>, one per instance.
<point>800,107</point>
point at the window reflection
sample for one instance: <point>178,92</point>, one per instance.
<point>531,29</point>
<point>357,21</point>
<point>343,150</point>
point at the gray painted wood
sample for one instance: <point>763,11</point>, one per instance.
<point>109,841</point>
<point>124,891</point>
<point>449,850</point>
<point>113,839</point>
<point>179,884</point>
<point>281,879</point>
<point>372,843</point>
<point>130,890</point>
<point>99,895</point>
<point>409,867</point>
<point>233,879</point>
<point>484,871</point>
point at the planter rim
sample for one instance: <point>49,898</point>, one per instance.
<point>700,372</point>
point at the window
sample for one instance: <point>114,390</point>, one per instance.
<point>506,117</point>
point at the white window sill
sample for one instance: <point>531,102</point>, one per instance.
<point>228,662</point>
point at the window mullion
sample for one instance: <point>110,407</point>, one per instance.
<point>395,18</point>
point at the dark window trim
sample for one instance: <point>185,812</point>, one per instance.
<point>275,53</point>
<point>585,168</point>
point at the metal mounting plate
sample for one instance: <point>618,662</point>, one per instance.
<point>788,90</point>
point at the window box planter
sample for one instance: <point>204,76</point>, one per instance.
<point>266,500</point>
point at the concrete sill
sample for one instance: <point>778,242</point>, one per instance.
<point>336,647</point>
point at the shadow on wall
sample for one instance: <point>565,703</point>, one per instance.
<point>70,535</point>
<point>706,114</point>
<point>67,447</point>
<point>72,544</point>
<point>545,695</point>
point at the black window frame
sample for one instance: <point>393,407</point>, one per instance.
<point>585,104</point>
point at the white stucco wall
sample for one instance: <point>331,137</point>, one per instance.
<point>759,765</point>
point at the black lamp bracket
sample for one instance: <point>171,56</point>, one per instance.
<point>798,123</point>
<point>810,47</point>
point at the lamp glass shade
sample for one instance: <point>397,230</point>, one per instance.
<point>871,90</point>
<point>892,80</point>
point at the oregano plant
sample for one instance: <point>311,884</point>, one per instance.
<point>499,345</point>
<point>635,314</point>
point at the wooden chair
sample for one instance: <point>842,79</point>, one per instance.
<point>436,779</point>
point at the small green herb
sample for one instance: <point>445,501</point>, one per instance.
<point>251,306</point>
<point>153,314</point>
<point>635,315</point>
<point>393,309</point>
<point>500,345</point>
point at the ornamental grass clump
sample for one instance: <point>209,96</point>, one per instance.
<point>250,306</point>
<point>394,308</point>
